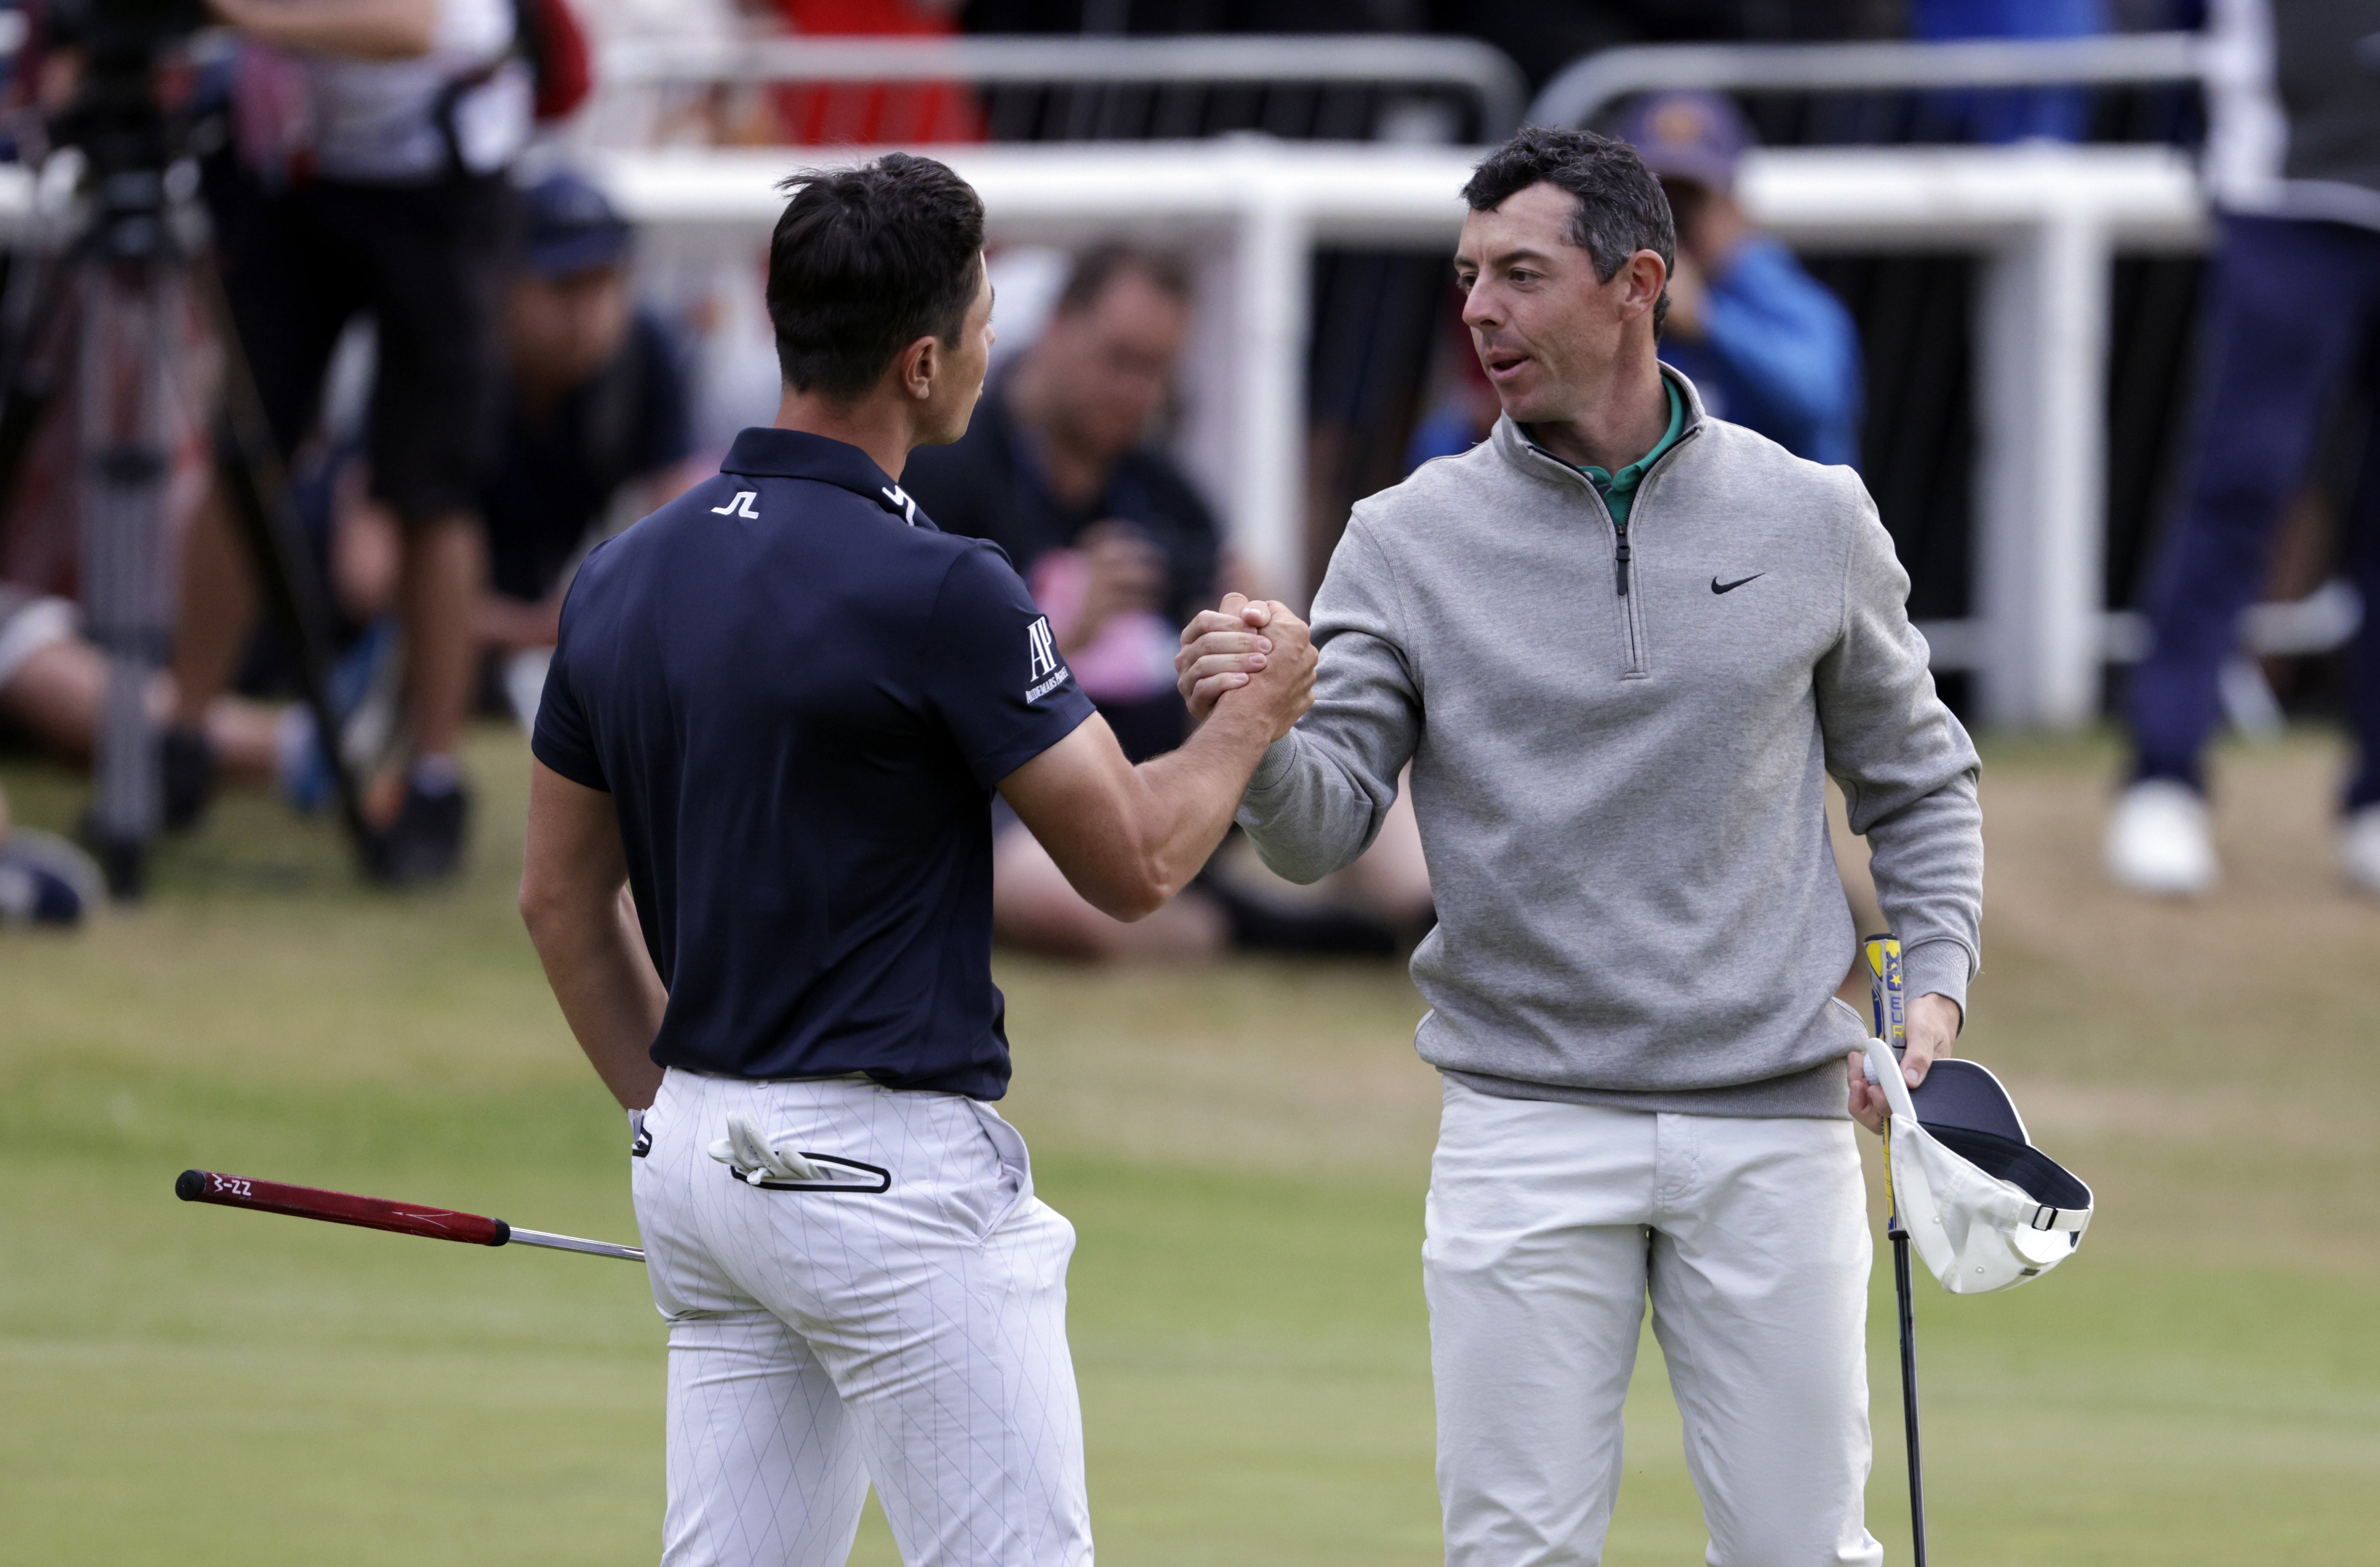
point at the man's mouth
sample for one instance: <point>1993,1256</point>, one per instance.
<point>1503,364</point>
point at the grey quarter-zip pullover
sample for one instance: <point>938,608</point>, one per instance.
<point>1619,744</point>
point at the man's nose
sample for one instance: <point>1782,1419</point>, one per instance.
<point>1479,307</point>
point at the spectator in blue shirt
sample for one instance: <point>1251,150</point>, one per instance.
<point>1764,341</point>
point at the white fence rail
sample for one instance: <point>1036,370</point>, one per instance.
<point>1589,85</point>
<point>1356,59</point>
<point>2048,219</point>
<point>1388,62</point>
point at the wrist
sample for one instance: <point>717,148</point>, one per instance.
<point>1239,724</point>
<point>1938,966</point>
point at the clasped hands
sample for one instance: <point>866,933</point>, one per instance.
<point>1252,652</point>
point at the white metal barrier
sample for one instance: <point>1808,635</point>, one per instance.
<point>1363,86</point>
<point>1369,60</point>
<point>1590,84</point>
<point>2048,219</point>
<point>1252,208</point>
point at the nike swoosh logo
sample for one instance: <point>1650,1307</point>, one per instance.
<point>1718,586</point>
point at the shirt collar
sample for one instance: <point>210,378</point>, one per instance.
<point>1626,478</point>
<point>769,452</point>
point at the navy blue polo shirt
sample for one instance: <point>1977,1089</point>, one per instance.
<point>799,693</point>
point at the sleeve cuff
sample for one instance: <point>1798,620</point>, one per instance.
<point>1273,768</point>
<point>569,762</point>
<point>1936,968</point>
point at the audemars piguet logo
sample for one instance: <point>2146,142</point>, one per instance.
<point>1044,674</point>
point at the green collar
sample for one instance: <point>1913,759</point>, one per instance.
<point>1618,489</point>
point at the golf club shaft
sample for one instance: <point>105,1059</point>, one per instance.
<point>1883,957</point>
<point>573,1243</point>
<point>1909,1393</point>
<point>377,1214</point>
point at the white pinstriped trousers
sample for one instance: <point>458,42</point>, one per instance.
<point>820,1340</point>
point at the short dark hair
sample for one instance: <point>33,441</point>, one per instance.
<point>864,262</point>
<point>1621,208</point>
<point>1095,269</point>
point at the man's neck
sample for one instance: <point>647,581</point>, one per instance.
<point>1621,417</point>
<point>875,424</point>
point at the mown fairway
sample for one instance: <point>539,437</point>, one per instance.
<point>1243,1149</point>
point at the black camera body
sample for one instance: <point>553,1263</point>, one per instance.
<point>125,133</point>
<point>117,29</point>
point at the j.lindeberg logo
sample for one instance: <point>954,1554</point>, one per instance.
<point>1718,586</point>
<point>740,507</point>
<point>1044,673</point>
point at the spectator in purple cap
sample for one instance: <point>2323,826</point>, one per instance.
<point>1764,341</point>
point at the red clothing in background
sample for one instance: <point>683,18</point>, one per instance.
<point>849,112</point>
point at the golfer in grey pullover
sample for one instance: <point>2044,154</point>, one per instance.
<point>1621,685</point>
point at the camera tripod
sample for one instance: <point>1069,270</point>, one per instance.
<point>105,310</point>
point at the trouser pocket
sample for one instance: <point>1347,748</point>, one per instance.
<point>1014,1182</point>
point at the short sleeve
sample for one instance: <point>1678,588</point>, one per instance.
<point>995,677</point>
<point>562,738</point>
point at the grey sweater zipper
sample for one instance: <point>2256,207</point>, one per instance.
<point>1631,607</point>
<point>1623,554</point>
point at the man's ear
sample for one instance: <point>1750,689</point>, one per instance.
<point>1645,275</point>
<point>917,366</point>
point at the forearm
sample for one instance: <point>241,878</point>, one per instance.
<point>595,959</point>
<point>1927,860</point>
<point>357,29</point>
<point>1185,799</point>
<point>1307,814</point>
<point>1909,771</point>
<point>1319,798</point>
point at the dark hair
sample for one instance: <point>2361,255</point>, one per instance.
<point>1621,208</point>
<point>1097,267</point>
<point>864,262</point>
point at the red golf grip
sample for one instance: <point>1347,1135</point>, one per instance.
<point>339,1208</point>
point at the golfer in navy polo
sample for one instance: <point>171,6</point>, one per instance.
<point>777,714</point>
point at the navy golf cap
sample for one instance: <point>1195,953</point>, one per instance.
<point>1696,135</point>
<point>1967,1097</point>
<point>1965,1107</point>
<point>573,226</point>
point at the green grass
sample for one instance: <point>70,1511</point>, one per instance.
<point>1243,1150</point>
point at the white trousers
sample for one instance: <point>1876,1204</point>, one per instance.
<point>822,1340</point>
<point>1549,1224</point>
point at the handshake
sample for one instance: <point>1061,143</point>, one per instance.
<point>1250,655</point>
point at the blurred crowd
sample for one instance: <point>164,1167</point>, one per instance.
<point>472,376</point>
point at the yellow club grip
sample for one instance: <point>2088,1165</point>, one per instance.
<point>1883,955</point>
